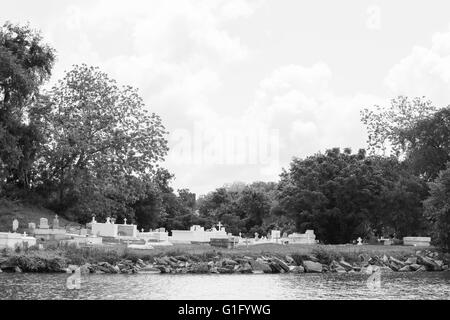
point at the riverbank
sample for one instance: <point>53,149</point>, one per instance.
<point>201,259</point>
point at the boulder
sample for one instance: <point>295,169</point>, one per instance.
<point>398,263</point>
<point>149,269</point>
<point>386,269</point>
<point>311,266</point>
<point>276,268</point>
<point>428,263</point>
<point>290,260</point>
<point>246,268</point>
<point>225,270</point>
<point>347,266</point>
<point>199,268</point>
<point>340,269</point>
<point>406,268</point>
<point>296,269</point>
<point>17,270</point>
<point>229,262</point>
<point>282,265</point>
<point>370,269</point>
<point>444,268</point>
<point>260,266</point>
<point>411,260</point>
<point>415,266</point>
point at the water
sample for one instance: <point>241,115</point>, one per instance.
<point>217,287</point>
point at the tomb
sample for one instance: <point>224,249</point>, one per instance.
<point>14,240</point>
<point>197,234</point>
<point>417,241</point>
<point>303,238</point>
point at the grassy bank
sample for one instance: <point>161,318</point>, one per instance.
<point>25,213</point>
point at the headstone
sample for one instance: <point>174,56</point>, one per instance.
<point>124,220</point>
<point>15,225</point>
<point>108,220</point>
<point>359,241</point>
<point>56,222</point>
<point>43,223</point>
<point>142,229</point>
<point>256,235</point>
<point>113,220</point>
<point>93,219</point>
<point>31,227</point>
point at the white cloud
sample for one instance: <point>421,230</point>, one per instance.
<point>424,72</point>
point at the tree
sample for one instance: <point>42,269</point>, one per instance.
<point>437,208</point>
<point>343,196</point>
<point>99,138</point>
<point>384,124</point>
<point>25,64</point>
<point>427,144</point>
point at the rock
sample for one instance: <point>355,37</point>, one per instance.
<point>444,267</point>
<point>276,268</point>
<point>429,263</point>
<point>364,258</point>
<point>225,270</point>
<point>386,269</point>
<point>214,270</point>
<point>200,268</point>
<point>311,266</point>
<point>227,261</point>
<point>1,271</point>
<point>340,269</point>
<point>399,264</point>
<point>182,258</point>
<point>17,270</point>
<point>313,258</point>
<point>290,260</point>
<point>347,266</point>
<point>163,269</point>
<point>282,265</point>
<point>421,269</point>
<point>259,266</point>
<point>385,259</point>
<point>370,269</point>
<point>414,266</point>
<point>406,268</point>
<point>149,269</point>
<point>246,268</point>
<point>298,269</point>
<point>352,271</point>
<point>411,260</point>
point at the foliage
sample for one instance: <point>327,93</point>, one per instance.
<point>437,208</point>
<point>384,124</point>
<point>343,196</point>
<point>101,144</point>
<point>25,63</point>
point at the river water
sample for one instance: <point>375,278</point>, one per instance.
<point>426,285</point>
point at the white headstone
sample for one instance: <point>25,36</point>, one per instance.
<point>359,241</point>
<point>15,225</point>
<point>124,220</point>
<point>43,223</point>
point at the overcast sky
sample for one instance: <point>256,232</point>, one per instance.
<point>243,86</point>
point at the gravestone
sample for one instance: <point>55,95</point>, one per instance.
<point>359,241</point>
<point>31,227</point>
<point>15,225</point>
<point>43,223</point>
<point>55,224</point>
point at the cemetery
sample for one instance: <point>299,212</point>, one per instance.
<point>274,253</point>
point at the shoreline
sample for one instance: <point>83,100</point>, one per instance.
<point>320,259</point>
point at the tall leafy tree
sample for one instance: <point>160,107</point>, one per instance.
<point>99,138</point>
<point>437,208</point>
<point>25,64</point>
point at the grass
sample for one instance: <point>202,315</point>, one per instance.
<point>25,213</point>
<point>326,253</point>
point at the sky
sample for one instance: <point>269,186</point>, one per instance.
<point>242,86</point>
